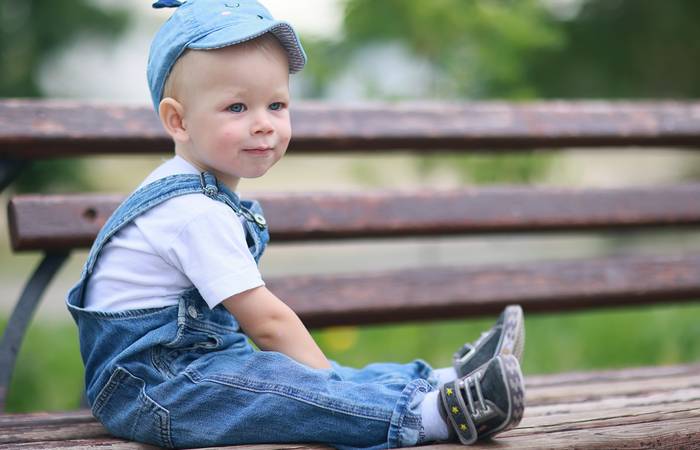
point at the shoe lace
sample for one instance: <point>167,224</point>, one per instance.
<point>475,381</point>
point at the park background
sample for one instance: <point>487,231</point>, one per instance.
<point>388,50</point>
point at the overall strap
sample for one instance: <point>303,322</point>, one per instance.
<point>157,192</point>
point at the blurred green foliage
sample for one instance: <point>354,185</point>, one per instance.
<point>597,339</point>
<point>480,46</point>
<point>487,168</point>
<point>30,32</point>
<point>525,49</point>
<point>54,175</point>
<point>479,49</point>
<point>623,49</point>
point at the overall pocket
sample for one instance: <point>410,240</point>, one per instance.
<point>125,409</point>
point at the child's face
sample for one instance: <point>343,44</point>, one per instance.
<point>235,111</point>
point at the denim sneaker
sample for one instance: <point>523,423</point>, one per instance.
<point>506,337</point>
<point>486,402</point>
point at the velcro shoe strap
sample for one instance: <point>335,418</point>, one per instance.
<point>461,356</point>
<point>457,412</point>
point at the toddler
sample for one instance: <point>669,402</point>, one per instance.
<point>171,293</point>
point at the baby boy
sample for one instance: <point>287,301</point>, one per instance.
<point>171,296</point>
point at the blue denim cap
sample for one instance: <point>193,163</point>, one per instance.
<point>210,24</point>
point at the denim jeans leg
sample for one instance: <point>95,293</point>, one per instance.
<point>388,373</point>
<point>268,397</point>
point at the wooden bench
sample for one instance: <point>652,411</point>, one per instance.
<point>632,408</point>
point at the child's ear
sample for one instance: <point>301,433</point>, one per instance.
<point>172,117</point>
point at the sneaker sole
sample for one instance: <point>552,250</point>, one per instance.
<point>513,378</point>
<point>513,335</point>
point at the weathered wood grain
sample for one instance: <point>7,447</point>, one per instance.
<point>46,128</point>
<point>80,444</point>
<point>614,375</point>
<point>615,401</point>
<point>449,292</point>
<point>630,413</point>
<point>61,222</point>
<point>114,444</point>
<point>55,430</point>
<point>671,434</point>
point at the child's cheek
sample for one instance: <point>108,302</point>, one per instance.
<point>227,138</point>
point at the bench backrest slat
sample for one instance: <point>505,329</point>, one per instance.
<point>450,293</point>
<point>65,222</point>
<point>46,129</point>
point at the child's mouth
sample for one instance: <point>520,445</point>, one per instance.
<point>258,150</point>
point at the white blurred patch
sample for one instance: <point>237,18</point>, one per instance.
<point>97,68</point>
<point>387,70</point>
<point>564,9</point>
<point>320,18</point>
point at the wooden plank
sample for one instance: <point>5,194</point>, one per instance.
<point>614,375</point>
<point>530,426</point>
<point>670,433</point>
<point>631,399</point>
<point>117,444</point>
<point>586,392</point>
<point>447,292</point>
<point>561,418</point>
<point>556,416</point>
<point>62,222</point>
<point>620,416</point>
<point>46,128</point>
<point>429,293</point>
<point>77,416</point>
<point>80,444</point>
<point>58,431</point>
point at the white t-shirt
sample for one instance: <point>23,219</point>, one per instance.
<point>189,240</point>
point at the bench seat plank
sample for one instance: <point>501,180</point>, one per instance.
<point>670,433</point>
<point>63,222</point>
<point>648,406</point>
<point>118,444</point>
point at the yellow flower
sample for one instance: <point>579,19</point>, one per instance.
<point>455,410</point>
<point>449,391</point>
<point>463,427</point>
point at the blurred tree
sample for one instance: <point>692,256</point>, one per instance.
<point>30,31</point>
<point>623,49</point>
<point>524,49</point>
<point>480,47</point>
<point>477,49</point>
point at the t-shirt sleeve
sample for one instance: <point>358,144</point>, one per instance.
<point>211,251</point>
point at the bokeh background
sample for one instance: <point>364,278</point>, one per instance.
<point>388,50</point>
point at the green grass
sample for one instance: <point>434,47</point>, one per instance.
<point>49,374</point>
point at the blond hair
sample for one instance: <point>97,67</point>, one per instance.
<point>174,81</point>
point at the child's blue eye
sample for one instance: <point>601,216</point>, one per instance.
<point>276,106</point>
<point>237,107</point>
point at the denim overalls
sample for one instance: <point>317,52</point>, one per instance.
<point>186,376</point>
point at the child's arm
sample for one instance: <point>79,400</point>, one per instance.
<point>272,325</point>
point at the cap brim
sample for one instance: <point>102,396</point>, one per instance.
<point>232,35</point>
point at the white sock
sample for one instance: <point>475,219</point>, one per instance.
<point>434,426</point>
<point>445,375</point>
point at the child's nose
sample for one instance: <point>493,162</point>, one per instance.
<point>261,124</point>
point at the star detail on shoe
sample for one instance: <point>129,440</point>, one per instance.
<point>449,391</point>
<point>455,410</point>
<point>462,427</point>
